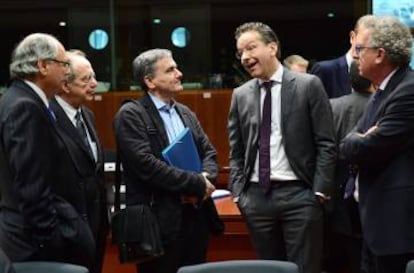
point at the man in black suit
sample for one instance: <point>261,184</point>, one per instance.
<point>143,129</point>
<point>85,165</point>
<point>382,146</point>
<point>280,181</point>
<point>37,222</point>
<point>334,73</point>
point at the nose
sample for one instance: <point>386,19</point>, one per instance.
<point>93,83</point>
<point>179,74</point>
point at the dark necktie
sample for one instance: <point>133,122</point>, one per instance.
<point>51,113</point>
<point>264,142</point>
<point>80,126</point>
<point>367,122</point>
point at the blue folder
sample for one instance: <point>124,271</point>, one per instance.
<point>182,153</point>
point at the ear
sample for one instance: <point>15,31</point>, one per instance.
<point>148,81</point>
<point>43,67</point>
<point>65,87</point>
<point>381,55</point>
<point>273,48</point>
<point>352,35</point>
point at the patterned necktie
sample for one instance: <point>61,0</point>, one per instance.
<point>80,126</point>
<point>264,142</point>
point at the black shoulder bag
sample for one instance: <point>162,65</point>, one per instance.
<point>134,229</point>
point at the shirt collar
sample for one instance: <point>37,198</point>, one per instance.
<point>159,104</point>
<point>38,91</point>
<point>386,80</point>
<point>349,59</point>
<point>69,109</point>
<point>276,77</point>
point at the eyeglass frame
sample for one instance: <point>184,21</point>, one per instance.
<point>359,48</point>
<point>65,64</point>
<point>249,48</point>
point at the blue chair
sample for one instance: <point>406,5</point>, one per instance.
<point>48,267</point>
<point>242,266</point>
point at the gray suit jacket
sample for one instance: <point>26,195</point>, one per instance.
<point>307,131</point>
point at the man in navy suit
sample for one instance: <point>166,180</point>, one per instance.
<point>84,166</point>
<point>37,220</point>
<point>282,209</point>
<point>334,73</point>
<point>382,146</point>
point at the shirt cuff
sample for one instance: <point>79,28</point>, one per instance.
<point>322,195</point>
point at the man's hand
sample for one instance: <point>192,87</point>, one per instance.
<point>209,188</point>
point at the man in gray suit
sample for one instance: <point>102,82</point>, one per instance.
<point>282,163</point>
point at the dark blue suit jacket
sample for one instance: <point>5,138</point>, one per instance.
<point>385,159</point>
<point>334,76</point>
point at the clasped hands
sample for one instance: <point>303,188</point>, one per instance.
<point>209,190</point>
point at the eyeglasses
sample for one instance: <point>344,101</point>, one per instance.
<point>88,78</point>
<point>65,64</point>
<point>359,48</point>
<point>248,49</point>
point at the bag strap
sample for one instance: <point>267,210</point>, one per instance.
<point>117,201</point>
<point>118,173</point>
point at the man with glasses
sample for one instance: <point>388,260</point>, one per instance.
<point>282,152</point>
<point>382,146</point>
<point>84,167</point>
<point>37,222</point>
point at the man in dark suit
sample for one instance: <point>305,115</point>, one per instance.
<point>334,73</point>
<point>85,165</point>
<point>143,129</point>
<point>37,222</point>
<point>382,146</point>
<point>343,228</point>
<point>280,178</point>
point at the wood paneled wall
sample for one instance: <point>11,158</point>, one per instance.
<point>210,106</point>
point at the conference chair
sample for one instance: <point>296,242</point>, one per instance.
<point>242,266</point>
<point>48,267</point>
<point>410,267</point>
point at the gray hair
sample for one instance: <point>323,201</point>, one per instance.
<point>34,47</point>
<point>389,33</point>
<point>266,33</point>
<point>72,54</point>
<point>144,64</point>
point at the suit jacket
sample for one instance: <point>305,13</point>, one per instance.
<point>347,110</point>
<point>334,75</point>
<point>385,159</point>
<point>36,216</point>
<point>307,131</point>
<point>83,171</point>
<point>84,175</point>
<point>147,175</point>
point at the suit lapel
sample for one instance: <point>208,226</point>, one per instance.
<point>288,91</point>
<point>67,126</point>
<point>392,84</point>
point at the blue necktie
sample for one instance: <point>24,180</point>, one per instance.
<point>51,113</point>
<point>367,122</point>
<point>264,141</point>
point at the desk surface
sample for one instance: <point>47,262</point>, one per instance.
<point>226,207</point>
